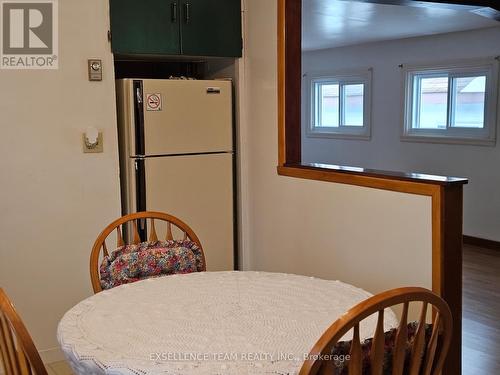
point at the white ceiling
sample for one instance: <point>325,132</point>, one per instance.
<point>335,23</point>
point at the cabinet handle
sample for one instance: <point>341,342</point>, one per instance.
<point>174,12</point>
<point>187,12</point>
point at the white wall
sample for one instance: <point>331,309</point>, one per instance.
<point>385,150</point>
<point>55,200</point>
<point>374,239</point>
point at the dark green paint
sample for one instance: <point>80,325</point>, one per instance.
<point>214,28</point>
<point>148,27</point>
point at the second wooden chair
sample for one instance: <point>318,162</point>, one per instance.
<point>173,224</point>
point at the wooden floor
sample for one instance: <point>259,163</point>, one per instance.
<point>481,312</point>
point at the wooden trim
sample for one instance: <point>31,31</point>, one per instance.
<point>289,81</point>
<point>481,242</point>
<point>281,83</point>
<point>360,180</point>
<point>374,173</point>
<point>447,266</point>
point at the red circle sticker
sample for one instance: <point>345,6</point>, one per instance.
<point>153,102</point>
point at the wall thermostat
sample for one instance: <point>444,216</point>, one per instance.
<point>95,70</point>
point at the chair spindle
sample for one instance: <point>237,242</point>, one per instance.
<point>105,249</point>
<point>431,350</point>
<point>3,346</point>
<point>400,343</point>
<point>24,366</point>
<point>355,354</point>
<point>119,237</point>
<point>10,351</point>
<point>137,238</point>
<point>169,231</point>
<point>327,368</point>
<point>418,343</point>
<point>153,237</point>
<point>378,344</point>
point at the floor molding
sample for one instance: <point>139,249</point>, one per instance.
<point>481,242</point>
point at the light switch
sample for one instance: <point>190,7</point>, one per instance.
<point>95,70</point>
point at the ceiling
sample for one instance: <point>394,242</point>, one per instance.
<point>335,23</point>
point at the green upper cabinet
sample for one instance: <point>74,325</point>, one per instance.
<point>211,28</point>
<point>145,27</point>
<point>176,27</point>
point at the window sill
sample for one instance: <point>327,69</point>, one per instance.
<point>448,140</point>
<point>339,135</point>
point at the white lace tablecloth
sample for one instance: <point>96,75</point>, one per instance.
<point>206,323</point>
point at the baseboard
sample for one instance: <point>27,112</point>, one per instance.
<point>481,242</point>
<point>52,355</point>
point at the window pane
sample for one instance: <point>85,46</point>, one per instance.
<point>468,102</point>
<point>328,112</point>
<point>432,94</point>
<point>353,104</point>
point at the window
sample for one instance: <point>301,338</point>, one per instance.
<point>339,105</point>
<point>455,103</point>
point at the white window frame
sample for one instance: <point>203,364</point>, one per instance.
<point>457,135</point>
<point>360,76</point>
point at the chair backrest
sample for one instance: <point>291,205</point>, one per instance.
<point>436,348</point>
<point>18,354</point>
<point>136,220</point>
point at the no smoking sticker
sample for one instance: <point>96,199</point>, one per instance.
<point>153,102</point>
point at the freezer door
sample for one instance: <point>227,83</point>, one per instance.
<point>199,191</point>
<point>183,116</point>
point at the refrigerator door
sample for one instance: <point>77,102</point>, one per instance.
<point>198,190</point>
<point>183,116</point>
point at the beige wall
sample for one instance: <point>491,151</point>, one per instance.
<point>54,199</point>
<point>374,239</point>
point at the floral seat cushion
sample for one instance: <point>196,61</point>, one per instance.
<point>341,351</point>
<point>131,263</point>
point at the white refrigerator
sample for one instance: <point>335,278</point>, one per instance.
<point>176,156</point>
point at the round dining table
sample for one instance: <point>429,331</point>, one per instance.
<point>206,323</point>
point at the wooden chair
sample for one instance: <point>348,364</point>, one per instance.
<point>18,354</point>
<point>135,219</point>
<point>437,347</point>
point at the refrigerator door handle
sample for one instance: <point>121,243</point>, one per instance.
<point>138,94</point>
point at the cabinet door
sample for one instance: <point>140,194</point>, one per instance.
<point>145,26</point>
<point>211,28</point>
